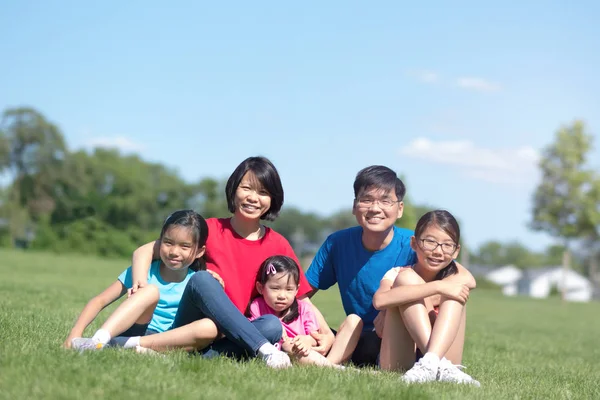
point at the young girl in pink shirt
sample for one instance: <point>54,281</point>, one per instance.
<point>277,283</point>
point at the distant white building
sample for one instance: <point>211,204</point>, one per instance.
<point>538,283</point>
<point>507,277</point>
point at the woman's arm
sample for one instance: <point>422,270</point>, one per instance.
<point>93,308</point>
<point>140,264</point>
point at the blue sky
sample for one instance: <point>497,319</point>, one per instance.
<point>458,99</point>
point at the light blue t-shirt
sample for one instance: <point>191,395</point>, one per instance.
<point>170,295</point>
<point>342,259</point>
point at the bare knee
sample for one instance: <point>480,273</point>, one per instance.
<point>353,322</point>
<point>150,292</point>
<point>204,329</point>
<point>406,277</point>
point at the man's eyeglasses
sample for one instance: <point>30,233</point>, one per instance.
<point>367,202</point>
<point>431,245</point>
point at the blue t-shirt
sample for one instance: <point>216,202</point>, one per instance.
<point>342,259</point>
<point>170,295</point>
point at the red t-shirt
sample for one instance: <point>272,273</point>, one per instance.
<point>237,260</point>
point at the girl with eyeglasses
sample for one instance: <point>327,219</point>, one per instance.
<point>423,340</point>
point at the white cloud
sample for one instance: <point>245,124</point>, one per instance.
<point>477,84</point>
<point>507,165</point>
<point>425,76</point>
<point>118,142</point>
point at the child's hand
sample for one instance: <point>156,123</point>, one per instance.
<point>455,291</point>
<point>378,322</point>
<point>286,345</point>
<point>217,277</point>
<point>324,341</point>
<point>135,287</point>
<point>301,345</point>
<point>67,343</point>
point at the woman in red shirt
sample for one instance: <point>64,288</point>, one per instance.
<point>235,249</point>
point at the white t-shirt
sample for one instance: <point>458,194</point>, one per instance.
<point>392,274</point>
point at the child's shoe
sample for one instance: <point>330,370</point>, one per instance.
<point>277,360</point>
<point>85,344</point>
<point>449,372</point>
<point>424,370</point>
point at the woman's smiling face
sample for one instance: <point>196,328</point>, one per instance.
<point>252,200</point>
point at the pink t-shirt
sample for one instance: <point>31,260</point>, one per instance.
<point>303,325</point>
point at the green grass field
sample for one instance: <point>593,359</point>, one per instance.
<point>518,348</point>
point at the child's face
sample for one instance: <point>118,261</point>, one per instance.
<point>177,248</point>
<point>435,248</point>
<point>377,210</point>
<point>251,199</point>
<point>279,291</point>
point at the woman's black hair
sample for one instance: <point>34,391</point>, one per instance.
<point>286,265</point>
<point>197,226</point>
<point>379,177</point>
<point>446,222</point>
<point>266,173</point>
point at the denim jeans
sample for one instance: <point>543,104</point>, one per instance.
<point>204,297</point>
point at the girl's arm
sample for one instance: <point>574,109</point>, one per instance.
<point>140,264</point>
<point>388,296</point>
<point>463,276</point>
<point>93,308</point>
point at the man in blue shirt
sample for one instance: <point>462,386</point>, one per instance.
<point>357,258</point>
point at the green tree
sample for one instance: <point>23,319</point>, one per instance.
<point>490,253</point>
<point>339,220</point>
<point>565,204</point>
<point>208,198</point>
<point>32,151</point>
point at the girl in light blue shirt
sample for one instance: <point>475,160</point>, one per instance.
<point>153,308</point>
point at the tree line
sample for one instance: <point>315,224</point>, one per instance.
<point>107,203</point>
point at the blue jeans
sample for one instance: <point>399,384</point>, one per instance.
<point>204,297</point>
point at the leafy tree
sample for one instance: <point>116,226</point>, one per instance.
<point>300,228</point>
<point>339,220</point>
<point>565,204</point>
<point>32,151</point>
<point>490,253</point>
<point>208,198</point>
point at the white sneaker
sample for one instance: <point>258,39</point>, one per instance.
<point>424,370</point>
<point>278,359</point>
<point>449,372</point>
<point>84,344</point>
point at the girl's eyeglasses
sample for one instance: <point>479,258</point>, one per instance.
<point>431,245</point>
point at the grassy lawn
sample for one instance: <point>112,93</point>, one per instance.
<point>517,348</point>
